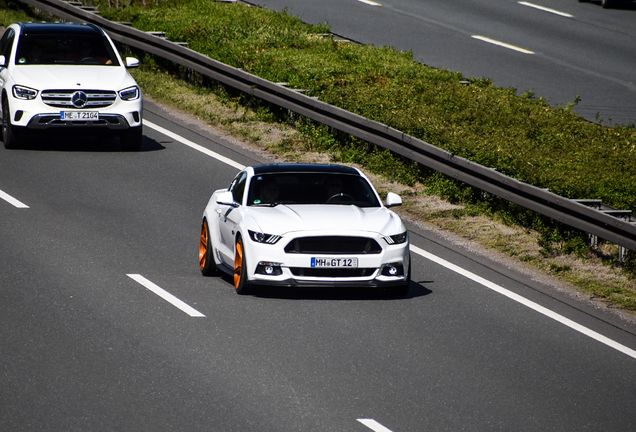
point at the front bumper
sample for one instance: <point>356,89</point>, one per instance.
<point>36,115</point>
<point>295,270</point>
<point>106,121</point>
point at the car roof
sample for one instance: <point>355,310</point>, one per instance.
<point>299,167</point>
<point>59,28</point>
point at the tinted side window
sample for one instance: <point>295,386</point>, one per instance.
<point>6,43</point>
<point>238,187</point>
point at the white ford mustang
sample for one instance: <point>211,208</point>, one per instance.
<point>304,225</point>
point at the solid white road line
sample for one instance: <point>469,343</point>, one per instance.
<point>14,202</point>
<point>545,9</point>
<point>502,44</point>
<point>369,2</point>
<point>373,425</point>
<point>189,143</point>
<point>573,325</point>
<point>528,303</point>
<point>166,296</point>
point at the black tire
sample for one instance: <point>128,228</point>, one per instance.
<point>206,252</point>
<point>608,3</point>
<point>131,139</point>
<point>8,135</point>
<point>241,284</point>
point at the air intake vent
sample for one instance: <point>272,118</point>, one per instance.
<point>333,245</point>
<point>332,272</point>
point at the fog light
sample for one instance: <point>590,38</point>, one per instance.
<point>393,269</point>
<point>269,268</point>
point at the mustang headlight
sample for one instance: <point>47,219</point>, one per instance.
<point>397,239</point>
<point>263,238</point>
<point>130,93</point>
<point>24,93</point>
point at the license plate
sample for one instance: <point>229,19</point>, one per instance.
<point>80,115</point>
<point>334,262</point>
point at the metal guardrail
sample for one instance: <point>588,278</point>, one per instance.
<point>570,212</point>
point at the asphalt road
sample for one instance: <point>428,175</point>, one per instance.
<point>560,49</point>
<point>88,234</point>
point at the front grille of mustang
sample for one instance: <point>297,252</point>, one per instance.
<point>95,98</point>
<point>332,272</point>
<point>335,245</point>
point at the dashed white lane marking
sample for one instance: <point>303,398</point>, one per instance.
<point>369,2</point>
<point>14,202</point>
<point>373,425</point>
<point>195,146</point>
<point>545,9</point>
<point>166,296</point>
<point>528,303</point>
<point>502,44</point>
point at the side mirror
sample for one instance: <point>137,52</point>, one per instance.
<point>131,63</point>
<point>226,198</point>
<point>393,200</point>
<point>3,61</point>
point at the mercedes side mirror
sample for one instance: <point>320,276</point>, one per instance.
<point>132,62</point>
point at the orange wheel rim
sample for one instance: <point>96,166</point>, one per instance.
<point>203,245</point>
<point>238,263</point>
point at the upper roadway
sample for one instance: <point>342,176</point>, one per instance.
<point>560,49</point>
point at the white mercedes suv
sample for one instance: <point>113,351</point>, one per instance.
<point>67,79</point>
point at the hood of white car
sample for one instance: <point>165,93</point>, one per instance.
<point>284,219</point>
<point>70,77</point>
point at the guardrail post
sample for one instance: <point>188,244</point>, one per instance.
<point>622,254</point>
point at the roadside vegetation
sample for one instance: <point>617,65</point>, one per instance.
<point>522,136</point>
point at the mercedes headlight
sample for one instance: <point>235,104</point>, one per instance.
<point>130,93</point>
<point>24,93</point>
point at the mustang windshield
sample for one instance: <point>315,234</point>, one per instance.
<point>311,188</point>
<point>62,48</point>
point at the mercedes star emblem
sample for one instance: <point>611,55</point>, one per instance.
<point>79,99</point>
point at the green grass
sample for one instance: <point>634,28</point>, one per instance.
<point>13,11</point>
